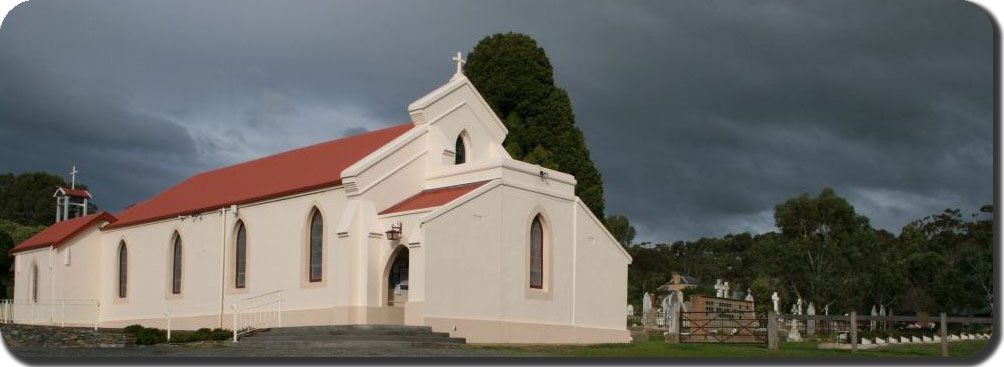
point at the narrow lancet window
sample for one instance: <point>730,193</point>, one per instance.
<point>536,254</point>
<point>240,257</point>
<point>461,151</point>
<point>176,266</point>
<point>316,245</point>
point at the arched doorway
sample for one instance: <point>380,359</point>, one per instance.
<point>397,278</point>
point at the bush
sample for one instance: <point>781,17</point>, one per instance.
<point>150,336</point>
<point>203,334</point>
<point>132,329</point>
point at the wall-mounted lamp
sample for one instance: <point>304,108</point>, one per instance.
<point>394,233</point>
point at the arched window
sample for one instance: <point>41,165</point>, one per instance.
<point>34,282</point>
<point>240,256</point>
<point>123,268</point>
<point>176,265</point>
<point>536,254</point>
<point>316,244</point>
<point>461,151</point>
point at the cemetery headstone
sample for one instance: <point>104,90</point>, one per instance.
<point>872,323</point>
<point>647,314</point>
<point>810,325</point>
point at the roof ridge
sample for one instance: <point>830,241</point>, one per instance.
<point>314,145</point>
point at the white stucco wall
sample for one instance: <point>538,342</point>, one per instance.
<point>484,293</point>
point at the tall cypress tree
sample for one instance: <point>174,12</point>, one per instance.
<point>516,78</point>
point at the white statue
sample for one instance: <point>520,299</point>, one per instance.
<point>777,302</point>
<point>725,290</point>
<point>826,309</point>
<point>719,288</point>
<point>749,295</point>
<point>799,305</point>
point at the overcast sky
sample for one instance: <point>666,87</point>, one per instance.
<point>701,115</point>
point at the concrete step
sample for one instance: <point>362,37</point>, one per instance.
<point>344,344</point>
<point>309,335</point>
<point>342,329</point>
<point>335,340</point>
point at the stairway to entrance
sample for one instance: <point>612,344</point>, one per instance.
<point>343,335</point>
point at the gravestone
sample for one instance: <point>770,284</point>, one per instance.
<point>647,314</point>
<point>630,310</point>
<point>795,335</point>
<point>725,290</point>
<point>673,304</point>
<point>810,325</point>
<point>777,302</point>
<point>719,288</point>
<point>871,324</point>
<point>749,295</point>
<point>882,313</point>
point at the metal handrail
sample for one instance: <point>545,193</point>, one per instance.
<point>253,313</point>
<point>50,312</point>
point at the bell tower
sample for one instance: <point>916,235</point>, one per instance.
<point>71,202</point>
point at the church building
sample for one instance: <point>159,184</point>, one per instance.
<point>429,223</point>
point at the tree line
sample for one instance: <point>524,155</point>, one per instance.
<point>826,253</point>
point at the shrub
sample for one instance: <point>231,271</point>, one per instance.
<point>150,336</point>
<point>203,334</point>
<point>133,329</point>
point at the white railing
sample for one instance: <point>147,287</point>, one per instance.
<point>178,311</point>
<point>258,312</point>
<point>50,312</point>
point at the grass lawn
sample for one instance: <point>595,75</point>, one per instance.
<point>806,349</point>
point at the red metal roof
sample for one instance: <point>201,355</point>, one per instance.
<point>76,193</point>
<point>59,232</point>
<point>432,198</point>
<point>286,173</point>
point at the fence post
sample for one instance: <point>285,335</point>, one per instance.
<point>167,314</point>
<point>280,309</point>
<point>944,335</point>
<point>771,330</point>
<point>234,308</point>
<point>854,332</point>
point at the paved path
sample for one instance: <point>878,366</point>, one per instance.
<point>224,350</point>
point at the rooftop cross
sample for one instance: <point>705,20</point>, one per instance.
<point>73,178</point>
<point>460,61</point>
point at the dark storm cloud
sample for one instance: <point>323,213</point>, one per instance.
<point>701,115</point>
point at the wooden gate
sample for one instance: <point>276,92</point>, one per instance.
<point>723,327</point>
